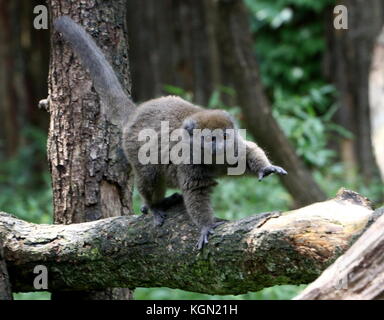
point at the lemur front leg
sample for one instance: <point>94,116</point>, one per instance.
<point>198,204</point>
<point>258,163</point>
<point>266,171</point>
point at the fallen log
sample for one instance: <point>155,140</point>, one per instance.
<point>259,251</point>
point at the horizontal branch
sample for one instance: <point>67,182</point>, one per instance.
<point>259,251</point>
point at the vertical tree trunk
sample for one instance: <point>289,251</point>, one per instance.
<point>90,177</point>
<point>173,43</point>
<point>376,101</point>
<point>151,54</point>
<point>236,49</point>
<point>349,60</point>
<point>23,73</point>
<point>9,130</point>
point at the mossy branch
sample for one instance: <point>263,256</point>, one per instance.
<point>259,251</point>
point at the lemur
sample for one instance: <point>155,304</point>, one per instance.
<point>195,181</point>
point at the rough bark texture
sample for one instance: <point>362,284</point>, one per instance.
<point>348,64</point>
<point>376,101</point>
<point>245,255</point>
<point>90,177</point>
<point>236,49</point>
<point>5,285</point>
<point>358,274</point>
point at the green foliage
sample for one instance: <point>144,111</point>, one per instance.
<point>177,91</point>
<point>25,181</point>
<point>306,121</point>
<point>26,188</point>
<point>32,296</point>
<point>289,42</point>
<point>273,293</point>
<point>337,176</point>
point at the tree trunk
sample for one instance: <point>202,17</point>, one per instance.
<point>23,73</point>
<point>348,63</point>
<point>236,49</point>
<point>173,43</point>
<point>376,101</point>
<point>356,275</point>
<point>90,177</point>
<point>245,255</point>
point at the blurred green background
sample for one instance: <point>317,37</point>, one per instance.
<point>290,44</point>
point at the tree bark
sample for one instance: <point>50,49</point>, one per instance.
<point>348,62</point>
<point>245,255</point>
<point>236,48</point>
<point>90,177</point>
<point>356,275</point>
<point>376,101</point>
<point>5,285</point>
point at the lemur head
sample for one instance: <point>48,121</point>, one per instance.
<point>213,129</point>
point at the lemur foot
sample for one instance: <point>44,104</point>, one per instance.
<point>159,217</point>
<point>266,171</point>
<point>205,233</point>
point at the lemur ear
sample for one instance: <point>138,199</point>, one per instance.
<point>189,124</point>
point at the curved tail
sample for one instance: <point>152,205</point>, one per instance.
<point>115,102</point>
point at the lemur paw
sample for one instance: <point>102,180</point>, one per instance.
<point>205,233</point>
<point>159,217</point>
<point>266,171</point>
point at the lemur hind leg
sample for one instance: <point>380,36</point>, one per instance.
<point>168,202</point>
<point>197,203</point>
<point>152,190</point>
<point>165,203</point>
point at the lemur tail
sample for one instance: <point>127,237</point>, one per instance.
<point>116,104</point>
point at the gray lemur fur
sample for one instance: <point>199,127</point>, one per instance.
<point>194,180</point>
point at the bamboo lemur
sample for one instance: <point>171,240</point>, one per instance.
<point>194,180</point>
